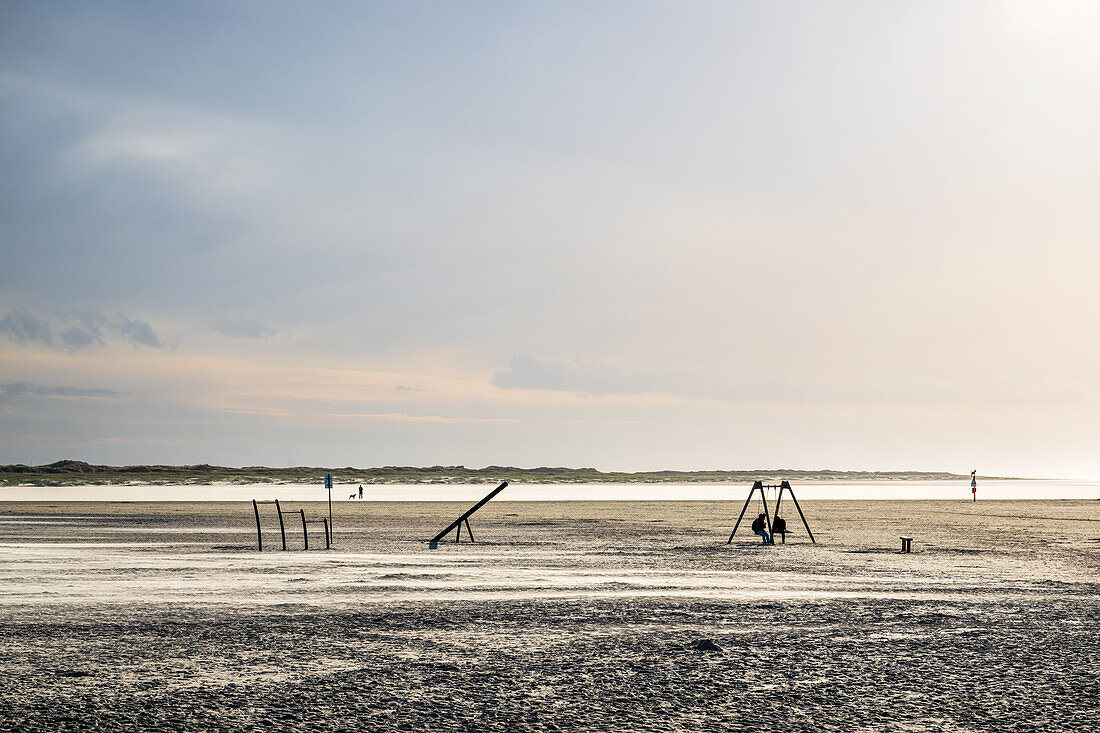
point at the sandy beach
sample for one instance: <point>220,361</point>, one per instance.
<point>375,259</point>
<point>563,616</point>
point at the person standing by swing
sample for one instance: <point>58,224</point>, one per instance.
<point>760,527</point>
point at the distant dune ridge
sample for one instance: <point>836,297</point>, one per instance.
<point>68,472</point>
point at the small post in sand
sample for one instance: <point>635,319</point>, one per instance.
<point>321,521</point>
<point>328,485</point>
<point>259,537</point>
<point>282,529</point>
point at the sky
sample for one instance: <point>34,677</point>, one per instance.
<point>624,235</point>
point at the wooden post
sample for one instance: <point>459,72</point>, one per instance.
<point>328,480</point>
<point>259,537</point>
<point>470,531</point>
<point>282,529</point>
<point>327,545</point>
<point>305,532</point>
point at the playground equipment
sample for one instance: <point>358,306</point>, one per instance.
<point>457,524</point>
<point>282,525</point>
<point>783,486</point>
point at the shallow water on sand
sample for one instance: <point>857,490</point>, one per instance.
<point>1017,489</point>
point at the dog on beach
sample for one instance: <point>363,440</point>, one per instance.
<point>352,496</point>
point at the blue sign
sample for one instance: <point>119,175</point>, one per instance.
<point>328,480</point>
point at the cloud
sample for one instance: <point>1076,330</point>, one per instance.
<point>138,332</point>
<point>84,331</point>
<point>246,329</point>
<point>77,331</point>
<point>25,328</point>
<point>78,338</point>
<point>23,389</point>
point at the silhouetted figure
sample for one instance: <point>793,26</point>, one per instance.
<point>779,527</point>
<point>760,527</point>
<point>360,491</point>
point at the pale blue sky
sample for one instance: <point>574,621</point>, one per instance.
<point>624,235</point>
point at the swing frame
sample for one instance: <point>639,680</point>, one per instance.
<point>782,486</point>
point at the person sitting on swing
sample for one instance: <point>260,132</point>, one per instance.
<point>779,526</point>
<point>760,527</point>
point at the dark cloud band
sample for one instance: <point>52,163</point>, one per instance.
<point>77,331</point>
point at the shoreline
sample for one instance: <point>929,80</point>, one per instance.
<point>732,493</point>
<point>198,481</point>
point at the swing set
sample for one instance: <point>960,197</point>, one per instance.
<point>761,486</point>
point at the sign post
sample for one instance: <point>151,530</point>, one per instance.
<point>328,485</point>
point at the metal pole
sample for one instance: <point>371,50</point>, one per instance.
<point>742,515</point>
<point>326,533</point>
<point>328,482</point>
<point>282,529</point>
<point>259,537</point>
<point>305,532</point>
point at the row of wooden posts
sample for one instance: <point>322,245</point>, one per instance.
<point>464,518</point>
<point>282,525</point>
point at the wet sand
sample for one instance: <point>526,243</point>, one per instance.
<point>563,616</point>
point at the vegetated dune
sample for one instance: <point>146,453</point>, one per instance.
<point>68,472</point>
